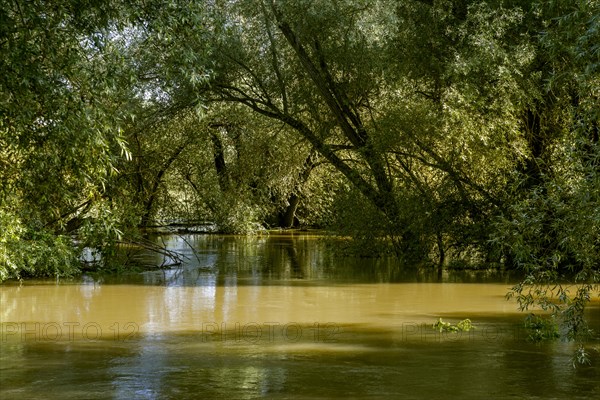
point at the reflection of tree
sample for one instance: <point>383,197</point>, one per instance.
<point>228,261</point>
<point>288,245</point>
<point>294,261</point>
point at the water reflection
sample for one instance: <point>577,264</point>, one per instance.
<point>277,317</point>
<point>289,259</point>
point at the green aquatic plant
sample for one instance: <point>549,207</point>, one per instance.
<point>463,326</point>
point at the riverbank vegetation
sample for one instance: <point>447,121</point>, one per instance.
<point>439,131</point>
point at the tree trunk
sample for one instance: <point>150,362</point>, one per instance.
<point>287,217</point>
<point>219,159</point>
<point>349,120</point>
<point>149,203</point>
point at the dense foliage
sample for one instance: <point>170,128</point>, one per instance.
<point>442,131</point>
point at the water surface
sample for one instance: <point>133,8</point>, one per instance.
<point>277,317</point>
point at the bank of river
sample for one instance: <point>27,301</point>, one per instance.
<point>278,316</point>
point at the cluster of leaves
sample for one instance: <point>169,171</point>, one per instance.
<point>61,89</point>
<point>463,326</point>
<point>541,329</point>
<point>28,253</point>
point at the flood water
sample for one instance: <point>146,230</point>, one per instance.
<point>281,317</point>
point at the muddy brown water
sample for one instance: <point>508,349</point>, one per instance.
<point>282,317</point>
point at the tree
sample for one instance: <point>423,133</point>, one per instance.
<point>397,132</point>
<point>61,103</point>
<point>551,229</point>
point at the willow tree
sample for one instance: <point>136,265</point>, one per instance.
<point>420,136</point>
<point>61,101</point>
<point>551,229</point>
<point>282,65</point>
